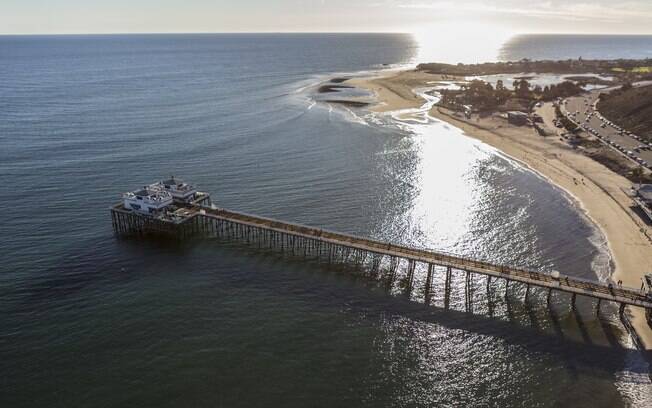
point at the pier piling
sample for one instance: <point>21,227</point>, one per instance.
<point>428,288</point>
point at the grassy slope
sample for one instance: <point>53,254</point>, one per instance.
<point>631,109</point>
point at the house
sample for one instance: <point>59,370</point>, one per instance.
<point>147,201</point>
<point>517,118</point>
<point>643,197</point>
<point>180,191</point>
<point>645,194</point>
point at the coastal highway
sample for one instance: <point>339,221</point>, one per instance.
<point>581,110</point>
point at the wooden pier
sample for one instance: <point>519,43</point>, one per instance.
<point>195,219</point>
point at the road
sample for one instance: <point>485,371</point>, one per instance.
<point>581,110</point>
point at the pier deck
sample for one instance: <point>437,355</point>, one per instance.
<point>200,219</point>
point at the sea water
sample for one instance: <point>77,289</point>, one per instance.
<point>92,320</point>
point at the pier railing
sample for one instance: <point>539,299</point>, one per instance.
<point>563,283</point>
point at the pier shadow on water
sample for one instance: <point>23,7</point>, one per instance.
<point>219,291</point>
<point>494,310</point>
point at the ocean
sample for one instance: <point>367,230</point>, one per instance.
<point>557,47</point>
<point>89,319</point>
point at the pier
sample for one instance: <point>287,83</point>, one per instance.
<point>196,217</point>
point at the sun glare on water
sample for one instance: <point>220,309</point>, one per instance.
<point>460,42</point>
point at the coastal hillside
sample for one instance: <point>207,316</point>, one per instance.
<point>631,109</point>
<point>623,68</point>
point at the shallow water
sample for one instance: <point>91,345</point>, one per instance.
<point>92,320</point>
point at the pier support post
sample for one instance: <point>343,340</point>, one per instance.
<point>506,287</point>
<point>376,259</point>
<point>447,286</point>
<point>411,267</point>
<point>597,307</point>
<point>527,291</point>
<point>549,294</point>
<point>469,291</point>
<point>573,300</point>
<point>621,310</point>
<point>393,266</point>
<point>428,283</point>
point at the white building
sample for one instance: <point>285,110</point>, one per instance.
<point>179,190</point>
<point>147,200</point>
<point>643,197</point>
<point>645,193</point>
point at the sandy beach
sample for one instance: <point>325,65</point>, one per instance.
<point>597,190</point>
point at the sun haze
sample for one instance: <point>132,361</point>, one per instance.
<point>122,16</point>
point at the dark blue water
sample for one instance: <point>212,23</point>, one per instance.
<point>91,320</point>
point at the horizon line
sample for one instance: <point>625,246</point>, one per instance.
<point>289,32</point>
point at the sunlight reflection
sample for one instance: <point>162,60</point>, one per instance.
<point>464,42</point>
<point>440,184</point>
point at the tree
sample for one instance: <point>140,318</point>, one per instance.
<point>522,88</point>
<point>637,174</point>
<point>502,93</point>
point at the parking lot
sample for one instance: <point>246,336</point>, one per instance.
<point>581,110</point>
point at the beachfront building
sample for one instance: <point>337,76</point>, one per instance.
<point>645,194</point>
<point>178,189</point>
<point>147,201</point>
<point>643,198</point>
<point>517,118</point>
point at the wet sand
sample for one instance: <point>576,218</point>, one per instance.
<point>597,190</point>
<point>394,89</point>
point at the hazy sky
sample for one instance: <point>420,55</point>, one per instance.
<point>113,16</point>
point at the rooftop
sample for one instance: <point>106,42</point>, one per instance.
<point>172,181</point>
<point>174,184</point>
<point>645,191</point>
<point>150,194</point>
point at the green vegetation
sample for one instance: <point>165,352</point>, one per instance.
<point>558,67</point>
<point>631,108</point>
<point>481,96</point>
<point>636,70</point>
<point>566,123</point>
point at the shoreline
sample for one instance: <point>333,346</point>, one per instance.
<point>597,190</point>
